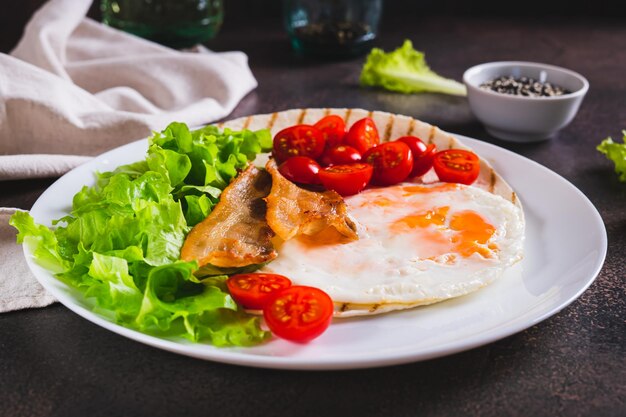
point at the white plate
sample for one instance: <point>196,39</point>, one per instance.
<point>565,249</point>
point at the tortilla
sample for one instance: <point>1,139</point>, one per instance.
<point>390,127</point>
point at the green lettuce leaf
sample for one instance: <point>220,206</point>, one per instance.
<point>121,242</point>
<point>616,152</point>
<point>41,240</point>
<point>199,164</point>
<point>405,70</point>
<point>205,311</point>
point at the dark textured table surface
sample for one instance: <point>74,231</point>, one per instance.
<point>55,363</point>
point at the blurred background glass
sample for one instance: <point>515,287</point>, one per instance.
<point>174,23</point>
<point>332,28</point>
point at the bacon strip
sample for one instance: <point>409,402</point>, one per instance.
<point>235,233</point>
<point>294,211</point>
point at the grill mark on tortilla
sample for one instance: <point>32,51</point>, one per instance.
<point>347,116</point>
<point>344,307</point>
<point>246,123</point>
<point>301,117</point>
<point>374,308</point>
<point>451,141</point>
<point>492,180</point>
<point>388,128</point>
<point>370,114</point>
<point>220,125</point>
<point>326,112</point>
<point>272,120</point>
<point>411,127</point>
<point>513,197</point>
<point>431,135</point>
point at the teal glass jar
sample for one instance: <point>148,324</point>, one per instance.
<point>332,28</point>
<point>174,23</point>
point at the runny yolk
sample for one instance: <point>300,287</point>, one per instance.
<point>437,216</point>
<point>420,189</point>
<point>470,232</point>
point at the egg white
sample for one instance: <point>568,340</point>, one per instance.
<point>393,266</point>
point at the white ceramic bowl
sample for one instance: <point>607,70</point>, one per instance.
<point>521,118</point>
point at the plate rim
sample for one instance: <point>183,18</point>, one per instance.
<point>358,361</point>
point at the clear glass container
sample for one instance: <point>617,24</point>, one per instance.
<point>332,28</point>
<point>174,23</point>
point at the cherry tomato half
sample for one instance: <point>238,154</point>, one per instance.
<point>422,155</point>
<point>346,179</point>
<point>298,140</point>
<point>298,313</point>
<point>253,290</point>
<point>339,155</point>
<point>300,169</point>
<point>362,135</point>
<point>457,165</point>
<point>392,162</point>
<point>333,129</point>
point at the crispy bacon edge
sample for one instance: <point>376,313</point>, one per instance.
<point>294,211</point>
<point>235,233</point>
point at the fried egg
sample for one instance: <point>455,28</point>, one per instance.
<point>418,244</point>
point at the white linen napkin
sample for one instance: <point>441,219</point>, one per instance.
<point>37,165</point>
<point>74,87</point>
<point>18,287</point>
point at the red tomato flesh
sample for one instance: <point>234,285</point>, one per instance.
<point>346,179</point>
<point>301,169</point>
<point>253,290</point>
<point>422,155</point>
<point>342,154</point>
<point>362,135</point>
<point>298,313</point>
<point>392,162</point>
<point>457,165</point>
<point>333,129</point>
<point>298,140</point>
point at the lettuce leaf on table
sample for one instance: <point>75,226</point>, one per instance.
<point>616,152</point>
<point>120,245</point>
<point>405,70</point>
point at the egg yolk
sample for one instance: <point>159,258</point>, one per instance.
<point>467,232</point>
<point>435,216</point>
<point>472,232</point>
<point>420,189</point>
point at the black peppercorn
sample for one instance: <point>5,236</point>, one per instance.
<point>523,86</point>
